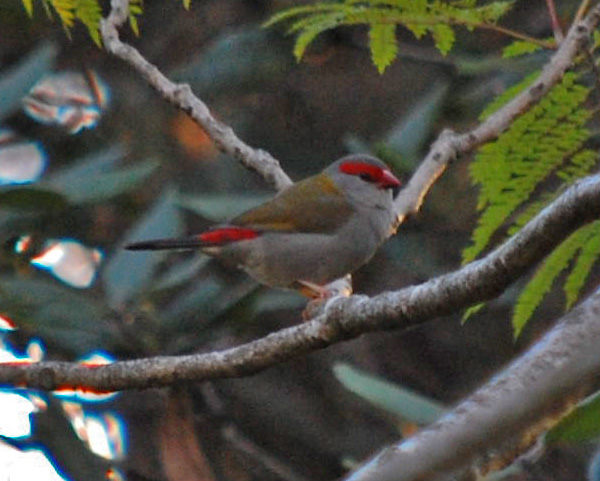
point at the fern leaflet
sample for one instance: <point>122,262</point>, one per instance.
<point>420,17</point>
<point>544,145</point>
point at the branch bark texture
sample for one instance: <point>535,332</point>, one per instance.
<point>181,96</point>
<point>505,408</point>
<point>343,318</point>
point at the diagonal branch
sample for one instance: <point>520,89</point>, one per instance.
<point>519,402</point>
<point>343,318</point>
<point>449,145</point>
<point>181,96</point>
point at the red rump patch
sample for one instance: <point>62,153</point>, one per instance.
<point>227,234</point>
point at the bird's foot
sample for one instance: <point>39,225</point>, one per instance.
<point>320,294</point>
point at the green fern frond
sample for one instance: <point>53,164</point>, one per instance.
<point>588,255</point>
<point>578,166</point>
<point>421,17</point>
<point>534,147</point>
<point>471,311</point>
<point>89,13</point>
<point>296,12</point>
<point>519,48</point>
<point>384,45</point>
<point>541,283</point>
<point>443,38</point>
<point>65,9</point>
<point>28,5</point>
<point>136,8</point>
<point>546,143</point>
<point>316,26</point>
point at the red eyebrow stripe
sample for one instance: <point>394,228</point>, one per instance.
<point>357,168</point>
<point>227,234</point>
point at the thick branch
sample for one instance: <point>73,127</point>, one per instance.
<point>343,318</point>
<point>523,395</point>
<point>181,96</point>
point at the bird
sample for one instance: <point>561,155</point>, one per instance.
<point>317,230</point>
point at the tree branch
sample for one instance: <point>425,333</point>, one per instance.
<point>343,318</point>
<point>507,405</point>
<point>449,145</point>
<point>520,400</point>
<point>181,96</point>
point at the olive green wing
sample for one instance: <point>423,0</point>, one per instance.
<point>314,205</point>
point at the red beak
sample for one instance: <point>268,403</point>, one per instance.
<point>389,180</point>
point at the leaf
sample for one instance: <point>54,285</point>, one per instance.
<point>90,166</point>
<point>59,315</point>
<point>588,256</point>
<point>128,272</point>
<point>244,60</point>
<point>383,44</point>
<point>414,128</point>
<point>28,5</point>
<point>443,37</point>
<point>180,273</point>
<point>580,425</point>
<point>16,82</point>
<point>399,401</point>
<point>541,283</point>
<point>471,311</point>
<point>135,10</point>
<point>89,13</point>
<point>221,207</point>
<point>92,189</point>
<point>32,198</point>
<point>518,48</point>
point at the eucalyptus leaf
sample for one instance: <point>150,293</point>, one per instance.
<point>181,272</point>
<point>129,272</point>
<point>92,165</point>
<point>397,400</point>
<point>409,135</point>
<point>246,60</point>
<point>58,314</point>
<point>16,82</point>
<point>95,188</point>
<point>221,207</point>
<point>581,424</point>
<point>31,197</point>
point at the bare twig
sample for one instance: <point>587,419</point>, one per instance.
<point>555,21</point>
<point>449,144</point>
<point>181,96</point>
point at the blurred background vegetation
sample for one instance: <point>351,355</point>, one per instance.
<point>145,170</point>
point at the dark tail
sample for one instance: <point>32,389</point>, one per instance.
<point>161,244</point>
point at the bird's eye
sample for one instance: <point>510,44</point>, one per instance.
<point>366,177</point>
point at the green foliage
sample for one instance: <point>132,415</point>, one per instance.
<point>382,16</point>
<point>580,425</point>
<point>518,48</point>
<point>544,146</point>
<point>88,12</point>
<point>16,82</point>
<point>397,400</point>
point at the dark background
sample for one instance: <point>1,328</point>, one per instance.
<point>296,415</point>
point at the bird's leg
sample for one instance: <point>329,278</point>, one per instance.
<point>312,290</point>
<point>319,294</point>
